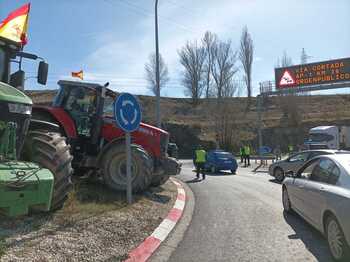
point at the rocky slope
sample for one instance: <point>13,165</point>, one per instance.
<point>285,119</point>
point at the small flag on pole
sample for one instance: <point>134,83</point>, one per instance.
<point>15,25</point>
<point>79,74</point>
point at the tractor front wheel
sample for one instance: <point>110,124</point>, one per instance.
<point>114,168</point>
<point>159,180</point>
<point>50,150</point>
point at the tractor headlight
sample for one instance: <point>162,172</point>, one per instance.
<point>20,109</point>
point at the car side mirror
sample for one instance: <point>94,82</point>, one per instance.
<point>290,173</point>
<point>43,72</point>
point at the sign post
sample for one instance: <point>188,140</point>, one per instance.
<point>128,168</point>
<point>127,113</point>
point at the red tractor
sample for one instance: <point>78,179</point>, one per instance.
<point>83,113</point>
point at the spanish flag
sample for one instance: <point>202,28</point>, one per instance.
<point>15,26</point>
<point>79,74</point>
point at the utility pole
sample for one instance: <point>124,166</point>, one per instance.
<point>157,68</point>
<point>259,107</point>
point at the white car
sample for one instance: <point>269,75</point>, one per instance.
<point>320,192</point>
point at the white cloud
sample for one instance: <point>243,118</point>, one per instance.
<point>258,59</point>
<point>125,58</point>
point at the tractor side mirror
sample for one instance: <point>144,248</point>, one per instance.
<point>43,72</point>
<point>17,79</point>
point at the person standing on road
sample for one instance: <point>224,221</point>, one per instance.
<point>290,149</point>
<point>199,159</point>
<point>241,153</point>
<point>247,156</point>
<point>278,152</point>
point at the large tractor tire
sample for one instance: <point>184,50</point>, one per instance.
<point>50,150</point>
<point>159,180</point>
<point>171,168</point>
<point>114,168</point>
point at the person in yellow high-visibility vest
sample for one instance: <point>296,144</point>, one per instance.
<point>246,155</point>
<point>199,159</point>
<point>290,149</point>
<point>242,153</point>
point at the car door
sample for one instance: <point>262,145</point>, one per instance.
<point>295,162</point>
<point>296,188</point>
<point>317,188</point>
<point>209,160</point>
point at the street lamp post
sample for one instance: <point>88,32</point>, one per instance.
<point>157,68</point>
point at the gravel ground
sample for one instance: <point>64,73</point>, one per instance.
<point>107,236</point>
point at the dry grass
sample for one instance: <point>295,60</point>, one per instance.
<point>89,199</point>
<point>94,225</point>
<point>2,247</point>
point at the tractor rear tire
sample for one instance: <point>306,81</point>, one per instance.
<point>159,180</point>
<point>50,150</point>
<point>114,168</point>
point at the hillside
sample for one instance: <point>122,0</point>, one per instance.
<point>285,119</point>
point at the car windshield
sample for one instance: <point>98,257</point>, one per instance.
<point>223,155</point>
<point>342,152</point>
<point>320,137</point>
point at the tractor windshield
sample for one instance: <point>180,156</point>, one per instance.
<point>2,64</point>
<point>108,108</point>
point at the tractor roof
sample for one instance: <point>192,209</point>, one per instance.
<point>84,85</point>
<point>9,43</point>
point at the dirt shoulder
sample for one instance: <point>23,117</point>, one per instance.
<point>94,225</point>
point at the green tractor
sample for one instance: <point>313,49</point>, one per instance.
<point>35,165</point>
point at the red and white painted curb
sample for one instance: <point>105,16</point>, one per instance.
<point>145,250</point>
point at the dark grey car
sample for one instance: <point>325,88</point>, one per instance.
<point>295,161</point>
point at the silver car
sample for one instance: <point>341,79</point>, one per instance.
<point>320,192</point>
<point>295,161</point>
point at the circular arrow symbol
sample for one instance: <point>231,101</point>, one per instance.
<point>127,112</point>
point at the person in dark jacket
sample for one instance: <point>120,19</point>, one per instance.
<point>247,156</point>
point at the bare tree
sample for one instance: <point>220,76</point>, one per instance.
<point>284,61</point>
<point>246,53</point>
<point>192,58</point>
<point>223,66</point>
<point>209,41</point>
<point>289,102</point>
<point>230,89</point>
<point>226,114</point>
<point>150,69</point>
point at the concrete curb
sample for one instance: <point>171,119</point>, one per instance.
<point>145,250</point>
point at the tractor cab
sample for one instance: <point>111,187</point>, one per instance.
<point>80,102</point>
<point>9,51</point>
<point>86,104</point>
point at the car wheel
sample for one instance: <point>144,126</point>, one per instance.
<point>278,173</point>
<point>286,201</point>
<point>336,240</point>
<point>233,171</point>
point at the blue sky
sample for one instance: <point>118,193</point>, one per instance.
<point>112,39</point>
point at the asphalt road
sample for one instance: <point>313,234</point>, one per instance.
<point>240,218</point>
